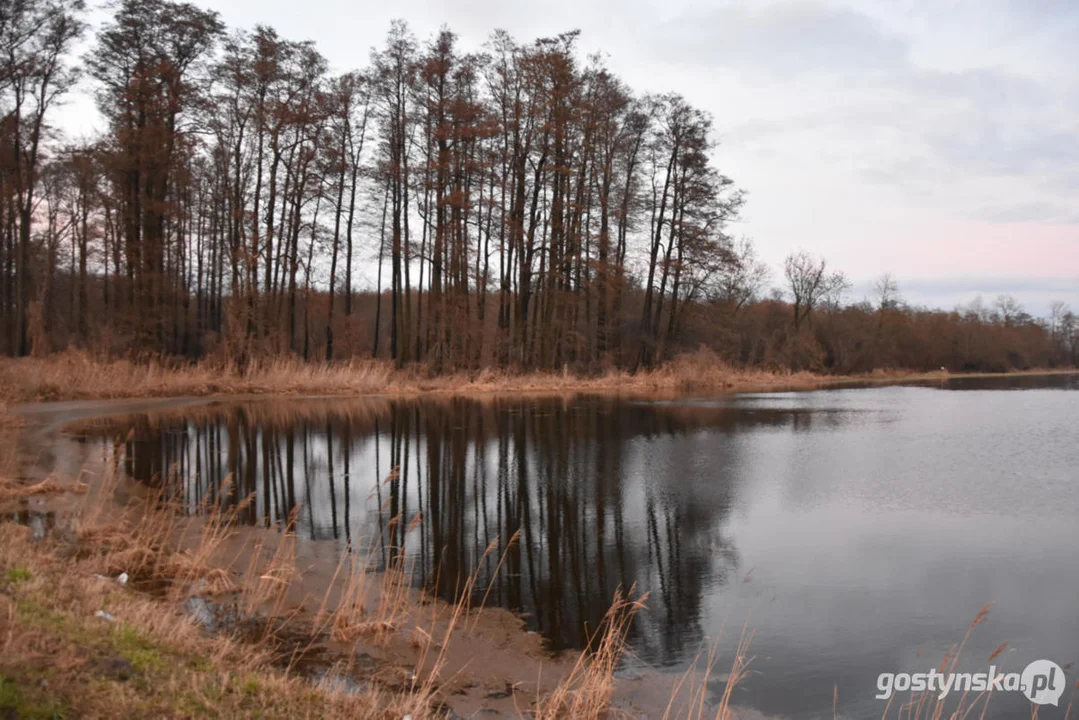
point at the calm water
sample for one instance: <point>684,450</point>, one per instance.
<point>858,531</point>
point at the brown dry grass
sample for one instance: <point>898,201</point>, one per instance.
<point>690,695</point>
<point>12,490</point>
<point>147,657</point>
<point>76,375</point>
<point>587,691</point>
<point>58,659</point>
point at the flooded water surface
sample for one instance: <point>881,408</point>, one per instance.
<point>856,531</point>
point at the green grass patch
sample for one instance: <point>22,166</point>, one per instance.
<point>94,634</point>
<point>23,705</point>
<point>37,615</point>
<point>18,575</point>
<point>145,655</point>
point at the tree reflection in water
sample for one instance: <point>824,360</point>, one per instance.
<point>604,493</point>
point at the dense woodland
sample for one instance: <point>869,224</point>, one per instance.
<point>513,205</point>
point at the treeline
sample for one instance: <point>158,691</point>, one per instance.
<point>516,206</point>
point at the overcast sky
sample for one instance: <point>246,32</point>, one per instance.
<point>936,139</point>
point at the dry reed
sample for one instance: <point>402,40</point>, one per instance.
<point>77,375</point>
<point>586,692</point>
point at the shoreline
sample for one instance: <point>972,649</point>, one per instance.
<point>48,419</point>
<point>74,377</point>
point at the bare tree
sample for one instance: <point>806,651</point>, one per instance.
<point>532,210</point>
<point>809,283</point>
<point>144,64</point>
<point>741,279</point>
<point>35,39</point>
<point>887,292</point>
<point>1010,311</point>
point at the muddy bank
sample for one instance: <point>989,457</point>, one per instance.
<point>485,660</point>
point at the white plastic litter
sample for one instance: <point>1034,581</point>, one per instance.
<point>122,579</point>
<point>105,616</point>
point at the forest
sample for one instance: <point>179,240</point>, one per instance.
<point>513,206</point>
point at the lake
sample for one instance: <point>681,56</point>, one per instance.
<point>856,531</point>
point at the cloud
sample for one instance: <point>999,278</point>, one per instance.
<point>1035,294</point>
<point>997,127</point>
<point>1003,124</point>
<point>1031,212</point>
<point>975,133</point>
<point>782,38</point>
<point>991,285</point>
